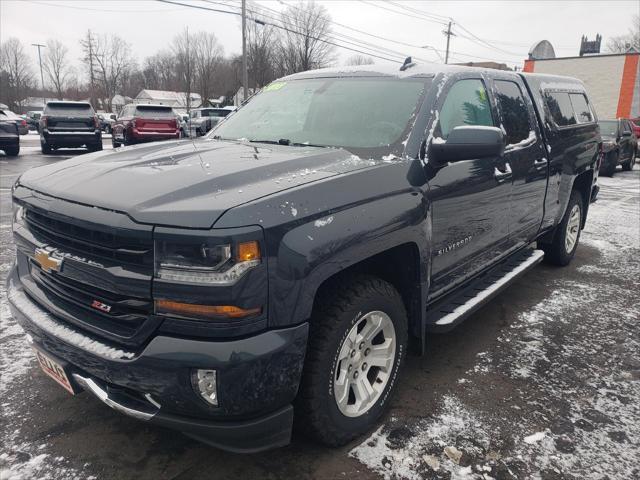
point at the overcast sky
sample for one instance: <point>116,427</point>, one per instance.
<point>510,28</point>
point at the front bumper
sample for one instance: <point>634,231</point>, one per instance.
<point>258,377</point>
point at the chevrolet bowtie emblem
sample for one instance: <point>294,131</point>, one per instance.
<point>46,261</point>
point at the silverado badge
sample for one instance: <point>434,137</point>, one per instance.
<point>46,261</point>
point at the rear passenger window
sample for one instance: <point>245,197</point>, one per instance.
<point>514,112</point>
<point>561,109</point>
<point>581,107</point>
<point>466,104</point>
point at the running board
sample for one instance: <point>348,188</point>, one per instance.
<point>443,315</point>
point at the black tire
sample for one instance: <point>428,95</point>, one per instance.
<point>556,252</point>
<point>336,311</point>
<point>628,166</point>
<point>114,142</point>
<point>610,163</point>
<point>94,147</point>
<point>125,138</point>
<point>12,151</point>
<point>45,147</point>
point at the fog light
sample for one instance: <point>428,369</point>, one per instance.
<point>204,382</point>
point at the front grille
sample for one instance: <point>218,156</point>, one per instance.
<point>92,243</point>
<point>110,265</point>
<point>126,317</point>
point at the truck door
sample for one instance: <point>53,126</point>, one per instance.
<point>525,153</point>
<point>469,199</point>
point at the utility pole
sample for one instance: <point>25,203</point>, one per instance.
<point>39,45</point>
<point>245,74</point>
<point>448,33</point>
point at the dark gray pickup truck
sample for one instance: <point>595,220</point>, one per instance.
<point>278,270</point>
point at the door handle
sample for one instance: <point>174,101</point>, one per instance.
<point>540,164</point>
<point>502,174</point>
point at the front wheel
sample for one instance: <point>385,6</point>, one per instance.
<point>357,344</point>
<point>563,247</point>
<point>628,166</point>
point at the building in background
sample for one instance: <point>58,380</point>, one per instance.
<point>177,100</point>
<point>612,80</point>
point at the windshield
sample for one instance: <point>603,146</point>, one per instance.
<point>608,128</point>
<point>68,109</point>
<point>372,115</point>
<point>154,112</point>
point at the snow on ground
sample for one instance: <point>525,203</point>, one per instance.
<point>576,413</point>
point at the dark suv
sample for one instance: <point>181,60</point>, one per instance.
<point>619,145</point>
<point>69,124</point>
<point>282,265</point>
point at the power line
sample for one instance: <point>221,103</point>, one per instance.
<point>332,36</point>
<point>435,16</point>
<point>75,7</point>
<point>441,22</point>
<point>282,28</point>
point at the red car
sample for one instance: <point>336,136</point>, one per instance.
<point>635,124</point>
<point>144,123</point>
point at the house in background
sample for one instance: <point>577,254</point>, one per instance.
<point>177,100</point>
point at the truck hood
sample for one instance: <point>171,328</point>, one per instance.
<point>186,183</point>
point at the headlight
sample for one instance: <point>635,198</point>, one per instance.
<point>204,263</point>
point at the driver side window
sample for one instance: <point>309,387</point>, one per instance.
<point>467,103</point>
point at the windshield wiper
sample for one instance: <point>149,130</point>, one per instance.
<point>287,142</point>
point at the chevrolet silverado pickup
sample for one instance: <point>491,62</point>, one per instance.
<point>275,273</point>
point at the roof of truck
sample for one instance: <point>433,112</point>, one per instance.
<point>543,81</point>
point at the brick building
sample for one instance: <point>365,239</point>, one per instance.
<point>612,80</point>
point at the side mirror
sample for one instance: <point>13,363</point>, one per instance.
<point>112,116</point>
<point>467,143</point>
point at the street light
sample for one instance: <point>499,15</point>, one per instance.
<point>433,48</point>
<point>39,45</point>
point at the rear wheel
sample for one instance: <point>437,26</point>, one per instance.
<point>12,151</point>
<point>45,147</point>
<point>563,247</point>
<point>357,344</point>
<point>94,147</point>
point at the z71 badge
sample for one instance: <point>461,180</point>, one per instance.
<point>103,307</point>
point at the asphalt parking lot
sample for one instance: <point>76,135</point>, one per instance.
<point>544,382</point>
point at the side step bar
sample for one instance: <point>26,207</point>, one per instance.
<point>445,314</point>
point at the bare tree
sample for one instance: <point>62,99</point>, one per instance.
<point>16,72</point>
<point>359,60</point>
<point>623,43</point>
<point>185,63</point>
<point>304,42</point>
<point>159,72</point>
<point>88,44</point>
<point>208,55</point>
<point>56,65</point>
<point>113,63</point>
<point>262,48</point>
